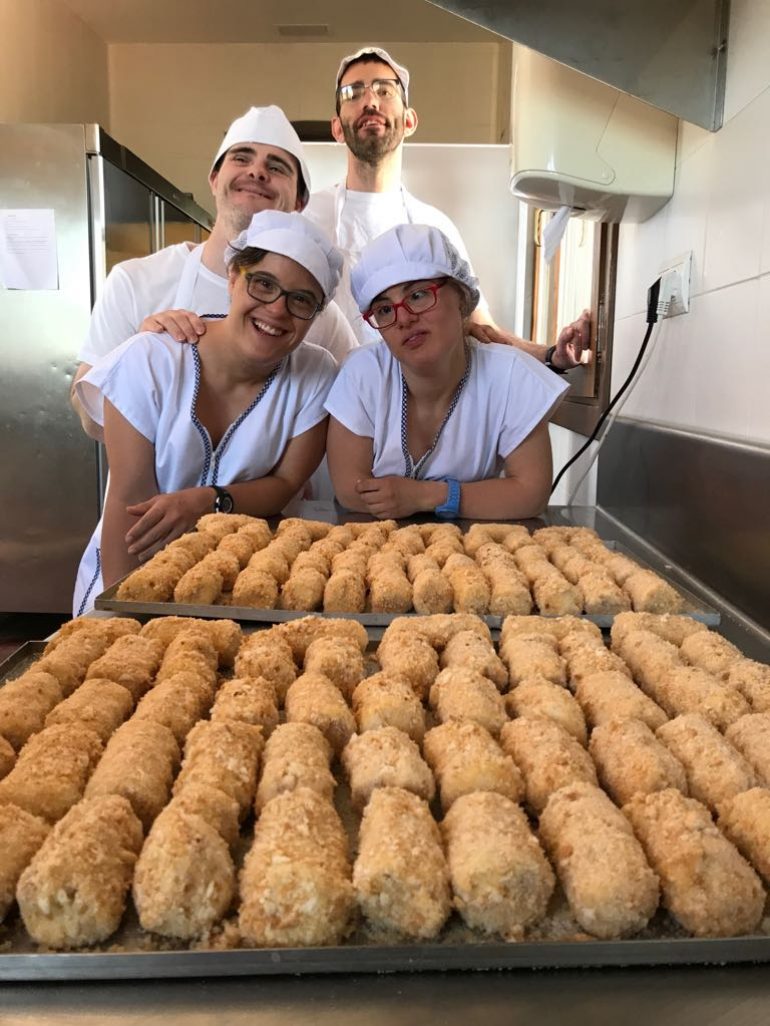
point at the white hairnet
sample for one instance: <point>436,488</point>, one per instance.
<point>271,127</point>
<point>408,252</point>
<point>292,235</point>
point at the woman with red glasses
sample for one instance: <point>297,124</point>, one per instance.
<point>235,422</point>
<point>433,421</point>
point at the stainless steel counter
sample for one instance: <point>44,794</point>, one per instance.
<point>712,996</point>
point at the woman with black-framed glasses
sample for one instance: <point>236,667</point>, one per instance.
<point>234,422</point>
<point>429,420</point>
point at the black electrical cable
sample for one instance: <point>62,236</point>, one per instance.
<point>652,316</point>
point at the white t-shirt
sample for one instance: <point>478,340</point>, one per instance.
<point>352,219</point>
<point>147,285</point>
<point>506,395</point>
<point>153,381</point>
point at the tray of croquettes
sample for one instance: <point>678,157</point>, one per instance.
<point>237,566</point>
<point>187,796</point>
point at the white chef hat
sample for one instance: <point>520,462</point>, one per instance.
<point>408,252</point>
<point>376,51</point>
<point>271,127</point>
<point>292,235</point>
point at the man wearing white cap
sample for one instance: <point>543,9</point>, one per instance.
<point>373,119</point>
<point>260,165</point>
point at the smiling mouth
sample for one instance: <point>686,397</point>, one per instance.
<point>370,122</point>
<point>253,192</point>
<point>267,329</point>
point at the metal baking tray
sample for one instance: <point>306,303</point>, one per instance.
<point>693,606</point>
<point>127,954</point>
<point>142,965</point>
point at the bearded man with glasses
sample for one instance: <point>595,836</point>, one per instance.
<point>373,118</point>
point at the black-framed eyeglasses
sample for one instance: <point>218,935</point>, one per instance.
<point>303,305</point>
<point>383,89</point>
<point>383,312</point>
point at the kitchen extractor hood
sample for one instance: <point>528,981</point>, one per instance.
<point>670,54</point>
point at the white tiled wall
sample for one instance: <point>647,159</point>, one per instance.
<point>709,370</point>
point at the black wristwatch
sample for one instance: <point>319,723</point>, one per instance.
<point>224,502</point>
<point>549,361</point>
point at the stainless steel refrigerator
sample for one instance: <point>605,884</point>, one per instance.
<point>108,206</point>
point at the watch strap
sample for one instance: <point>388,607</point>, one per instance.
<point>450,508</point>
<point>549,361</point>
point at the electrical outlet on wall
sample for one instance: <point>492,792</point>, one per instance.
<point>675,286</point>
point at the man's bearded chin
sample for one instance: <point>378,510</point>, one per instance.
<point>370,149</point>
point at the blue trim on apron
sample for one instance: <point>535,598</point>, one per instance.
<point>94,579</point>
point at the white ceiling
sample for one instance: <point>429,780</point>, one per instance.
<point>257,21</point>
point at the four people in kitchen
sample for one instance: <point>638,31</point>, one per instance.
<point>443,405</point>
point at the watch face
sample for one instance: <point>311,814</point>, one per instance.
<point>224,502</point>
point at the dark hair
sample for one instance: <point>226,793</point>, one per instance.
<point>247,258</point>
<point>303,193</point>
<point>368,58</point>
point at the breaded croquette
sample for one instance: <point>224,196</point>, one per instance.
<point>69,661</point>
<point>223,754</point>
<point>751,736</point>
<point>303,590</point>
<point>313,698</point>
<point>431,591</point>
<point>132,661</point>
<point>52,769</point>
<point>21,834</point>
<point>74,890</point>
<point>669,626</point>
<point>248,700</point>
<point>255,589</point>
<point>459,693</point>
<point>225,635</point>
<point>101,705</point>
<point>500,878</point>
<point>752,679</point>
<point>710,652</point>
<point>631,760</point>
<point>218,809</point>
<point>608,883</point>
<point>386,757</point>
<point>651,594</point>
<point>686,689</point>
<point>271,561</point>
<point>296,755</point>
<point>533,655</point>
<point>388,700</point>
<point>295,883</point>
<point>538,697</point>
<point>705,883</point>
<point>112,627</point>
<point>339,659</point>
<point>203,583</point>
<point>611,695</point>
<point>468,650</point>
<point>471,588</point>
<point>267,654</point>
<point>191,651</point>
<point>345,592</point>
<point>547,757</point>
<point>745,820</point>
<point>185,879</point>
<point>715,771</point>
<point>465,757</point>
<point>178,702</point>
<point>412,657</point>
<point>24,704</point>
<point>300,633</point>
<point>400,876</point>
<point>138,763</point>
